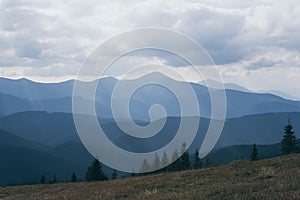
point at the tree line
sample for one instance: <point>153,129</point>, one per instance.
<point>94,172</point>
<point>288,143</point>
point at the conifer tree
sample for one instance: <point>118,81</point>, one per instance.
<point>73,177</point>
<point>254,153</point>
<point>145,167</point>
<point>94,172</point>
<point>43,179</point>
<point>114,174</point>
<point>176,162</point>
<point>156,162</point>
<point>289,141</point>
<point>54,179</point>
<point>185,158</point>
<point>165,162</point>
<point>197,162</point>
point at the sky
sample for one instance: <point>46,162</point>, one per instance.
<point>255,44</point>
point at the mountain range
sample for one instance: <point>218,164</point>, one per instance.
<point>27,151</point>
<point>38,135</point>
<point>24,95</point>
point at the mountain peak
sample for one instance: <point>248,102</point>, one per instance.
<point>230,86</point>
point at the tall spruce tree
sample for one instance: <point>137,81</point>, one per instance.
<point>94,172</point>
<point>165,162</point>
<point>156,163</point>
<point>54,180</point>
<point>114,174</point>
<point>43,179</point>
<point>197,162</point>
<point>73,177</point>
<point>254,153</point>
<point>145,167</point>
<point>176,162</point>
<point>185,158</point>
<point>289,141</point>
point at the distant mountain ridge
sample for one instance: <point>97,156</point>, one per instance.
<point>38,135</point>
<point>23,163</point>
<point>27,89</point>
<point>281,94</point>
<point>24,95</point>
<point>53,129</point>
<point>229,86</point>
<point>35,143</point>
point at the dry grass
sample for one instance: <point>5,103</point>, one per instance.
<point>277,178</point>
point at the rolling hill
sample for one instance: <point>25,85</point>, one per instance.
<point>52,129</point>
<point>47,143</point>
<point>24,161</point>
<point>10,139</point>
<point>276,178</point>
<point>228,154</point>
<point>21,165</point>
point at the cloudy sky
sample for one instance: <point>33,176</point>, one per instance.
<point>255,44</point>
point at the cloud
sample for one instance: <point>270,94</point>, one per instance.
<point>56,28</point>
<point>50,39</point>
<point>272,58</point>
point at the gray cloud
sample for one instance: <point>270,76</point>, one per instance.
<point>230,32</point>
<point>52,38</point>
<point>261,63</point>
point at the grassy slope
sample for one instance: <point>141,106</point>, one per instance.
<point>276,178</point>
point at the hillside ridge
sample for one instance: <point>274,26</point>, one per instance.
<point>275,178</point>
